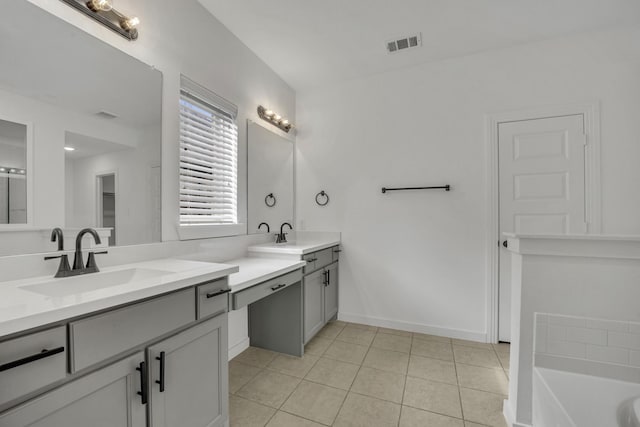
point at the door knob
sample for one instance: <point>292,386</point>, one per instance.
<point>505,244</point>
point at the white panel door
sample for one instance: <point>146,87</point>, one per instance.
<point>542,188</point>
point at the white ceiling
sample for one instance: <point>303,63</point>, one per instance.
<point>312,43</point>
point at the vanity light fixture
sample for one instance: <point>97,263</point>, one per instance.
<point>275,119</point>
<point>103,12</point>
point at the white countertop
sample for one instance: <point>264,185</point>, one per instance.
<point>594,237</point>
<point>22,309</point>
<point>257,270</point>
<point>293,248</point>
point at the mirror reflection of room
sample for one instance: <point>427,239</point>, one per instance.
<point>13,177</point>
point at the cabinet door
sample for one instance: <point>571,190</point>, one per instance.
<point>106,398</point>
<point>189,377</point>
<point>331,292</point>
<point>313,304</point>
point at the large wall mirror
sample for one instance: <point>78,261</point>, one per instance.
<point>87,118</point>
<point>270,166</point>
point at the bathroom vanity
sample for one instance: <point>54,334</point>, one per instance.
<point>139,349</point>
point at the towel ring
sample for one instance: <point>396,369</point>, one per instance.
<point>269,197</point>
<point>322,194</point>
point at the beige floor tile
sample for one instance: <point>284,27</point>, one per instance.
<point>476,356</point>
<point>283,419</point>
<point>480,378</point>
<point>255,356</point>
<point>333,373</point>
<point>315,402</point>
<point>240,374</point>
<point>392,342</point>
<point>504,360</point>
<point>269,388</point>
<point>483,407</point>
<point>364,411</point>
<point>432,369</point>
<point>245,413</point>
<point>432,396</point>
<point>346,352</point>
<point>330,331</point>
<point>381,384</point>
<point>356,335</point>
<point>502,347</point>
<point>475,344</point>
<point>427,337</point>
<point>294,366</point>
<point>317,346</point>
<point>411,417</point>
<point>339,323</point>
<point>387,360</point>
<point>433,349</point>
<point>361,326</point>
<point>394,332</point>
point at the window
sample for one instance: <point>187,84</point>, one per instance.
<point>208,158</point>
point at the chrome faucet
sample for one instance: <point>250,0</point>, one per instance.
<point>78,262</point>
<point>282,237</point>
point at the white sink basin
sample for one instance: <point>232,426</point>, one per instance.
<point>92,282</point>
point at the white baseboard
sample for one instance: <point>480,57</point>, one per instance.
<point>414,327</point>
<point>238,348</point>
<point>510,417</point>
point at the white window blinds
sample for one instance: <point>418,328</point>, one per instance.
<point>208,160</point>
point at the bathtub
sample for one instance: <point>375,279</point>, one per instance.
<point>566,399</point>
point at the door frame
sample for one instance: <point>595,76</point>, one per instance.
<point>593,190</point>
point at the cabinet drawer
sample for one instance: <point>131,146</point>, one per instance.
<point>99,337</point>
<point>336,253</point>
<point>25,366</point>
<point>317,260</point>
<point>254,293</point>
<point>213,298</point>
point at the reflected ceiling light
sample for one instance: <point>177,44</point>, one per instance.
<point>275,119</point>
<point>3,170</point>
<point>21,171</point>
<point>103,12</point>
<point>69,148</point>
<point>12,170</point>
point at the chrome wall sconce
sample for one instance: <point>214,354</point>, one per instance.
<point>103,12</point>
<point>274,118</point>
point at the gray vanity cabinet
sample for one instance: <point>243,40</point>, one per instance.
<point>105,398</point>
<point>313,304</point>
<point>331,292</point>
<point>320,290</point>
<point>188,377</point>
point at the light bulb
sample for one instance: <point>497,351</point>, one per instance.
<point>285,122</point>
<point>269,113</point>
<point>102,5</point>
<point>3,170</point>
<point>67,148</point>
<point>277,118</point>
<point>12,170</point>
<point>21,171</point>
<point>130,23</point>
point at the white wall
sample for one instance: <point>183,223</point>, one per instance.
<point>418,259</point>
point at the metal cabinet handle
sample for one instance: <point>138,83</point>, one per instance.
<point>215,294</point>
<point>312,259</point>
<point>505,244</point>
<point>326,278</point>
<point>43,354</point>
<point>337,250</point>
<point>144,389</point>
<point>276,287</point>
<point>161,381</point>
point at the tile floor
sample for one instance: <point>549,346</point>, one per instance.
<point>357,375</point>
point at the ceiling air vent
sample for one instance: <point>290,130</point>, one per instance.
<point>404,43</point>
<point>106,115</point>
